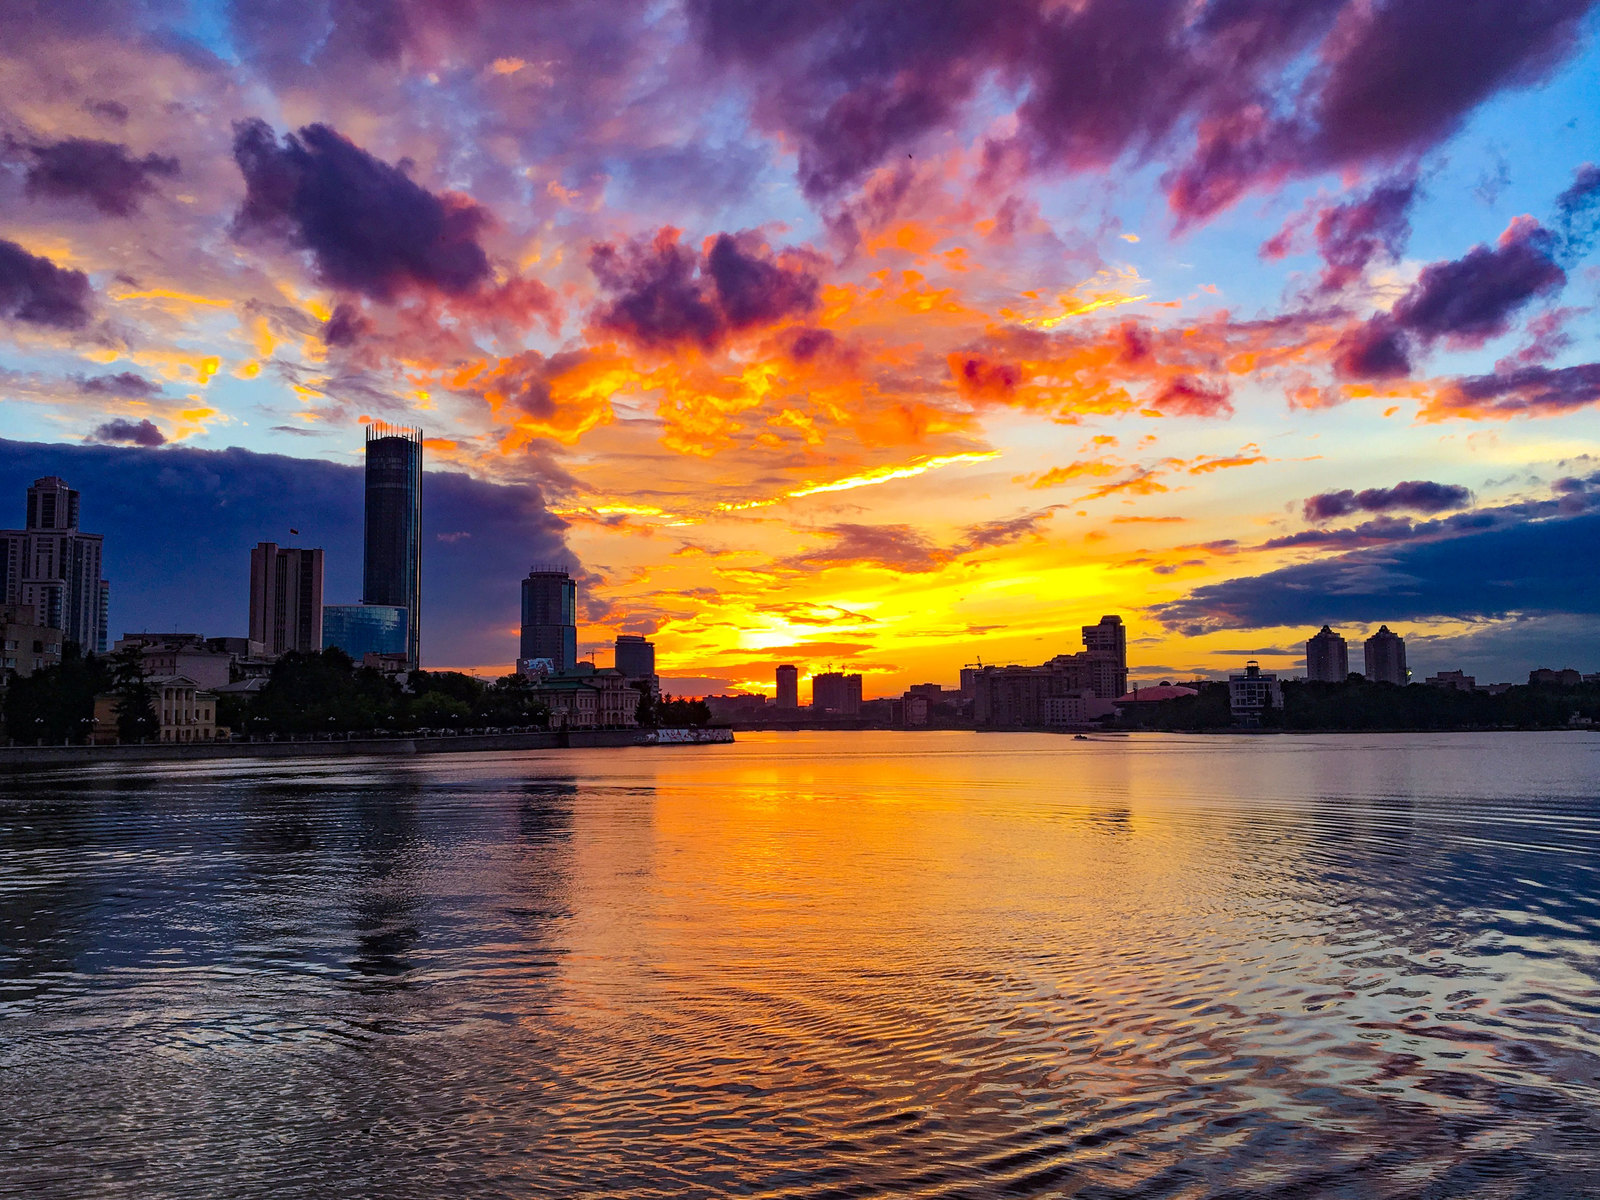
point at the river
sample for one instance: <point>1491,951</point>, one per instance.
<point>812,965</point>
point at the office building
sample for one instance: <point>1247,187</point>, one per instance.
<point>392,565</point>
<point>54,567</point>
<point>25,645</point>
<point>788,687</point>
<point>286,599</point>
<point>550,619</point>
<point>836,694</point>
<point>1252,692</point>
<point>1327,657</point>
<point>363,629</point>
<point>635,656</point>
<point>1386,658</point>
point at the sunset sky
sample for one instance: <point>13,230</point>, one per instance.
<point>883,335</point>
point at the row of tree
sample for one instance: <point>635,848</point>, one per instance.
<point>323,692</point>
<point>1357,704</point>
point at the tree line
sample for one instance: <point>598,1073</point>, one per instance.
<point>321,692</point>
<point>1358,704</point>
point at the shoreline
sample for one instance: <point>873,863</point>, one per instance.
<point>389,747</point>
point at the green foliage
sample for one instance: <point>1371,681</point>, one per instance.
<point>1357,704</point>
<point>57,703</point>
<point>136,712</point>
<point>645,712</point>
<point>672,713</point>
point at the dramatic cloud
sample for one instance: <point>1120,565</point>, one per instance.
<point>1528,392</point>
<point>1350,236</point>
<point>1466,302</point>
<point>105,174</point>
<point>1535,571</point>
<point>192,568</point>
<point>663,295</point>
<point>35,290</point>
<point>137,433</point>
<point>1416,495</point>
<point>369,227</point>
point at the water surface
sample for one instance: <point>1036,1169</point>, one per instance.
<point>812,965</point>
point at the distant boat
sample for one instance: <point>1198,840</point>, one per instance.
<point>1080,737</point>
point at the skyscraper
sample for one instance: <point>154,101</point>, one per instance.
<point>1386,658</point>
<point>286,598</point>
<point>550,617</point>
<point>1327,657</point>
<point>52,566</point>
<point>635,656</point>
<point>788,686</point>
<point>392,568</point>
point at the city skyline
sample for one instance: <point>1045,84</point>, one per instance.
<point>871,340</point>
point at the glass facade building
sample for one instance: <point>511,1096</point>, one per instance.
<point>550,617</point>
<point>362,629</point>
<point>392,566</point>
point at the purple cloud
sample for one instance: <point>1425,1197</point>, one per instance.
<point>103,173</point>
<point>136,433</point>
<point>34,290</point>
<point>1414,495</point>
<point>368,226</point>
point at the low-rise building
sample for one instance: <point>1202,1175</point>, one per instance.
<point>1076,708</point>
<point>1252,692</point>
<point>167,655</point>
<point>185,712</point>
<point>1453,679</point>
<point>26,646</point>
<point>1549,678</point>
<point>588,700</point>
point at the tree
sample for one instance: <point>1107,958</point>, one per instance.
<point>57,703</point>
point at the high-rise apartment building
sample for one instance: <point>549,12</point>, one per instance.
<point>788,687</point>
<point>1327,657</point>
<point>550,618</point>
<point>286,598</point>
<point>836,693</point>
<point>392,565</point>
<point>1107,640</point>
<point>54,567</point>
<point>635,656</point>
<point>1386,658</point>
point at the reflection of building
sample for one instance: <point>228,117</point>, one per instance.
<point>550,618</point>
<point>52,566</point>
<point>1327,657</point>
<point>1252,692</point>
<point>788,687</point>
<point>363,629</point>
<point>286,598</point>
<point>392,565</point>
<point>25,645</point>
<point>836,693</point>
<point>1386,658</point>
<point>1453,679</point>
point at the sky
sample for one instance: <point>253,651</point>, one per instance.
<point>862,335</point>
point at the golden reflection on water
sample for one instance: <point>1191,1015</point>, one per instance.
<point>814,965</point>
